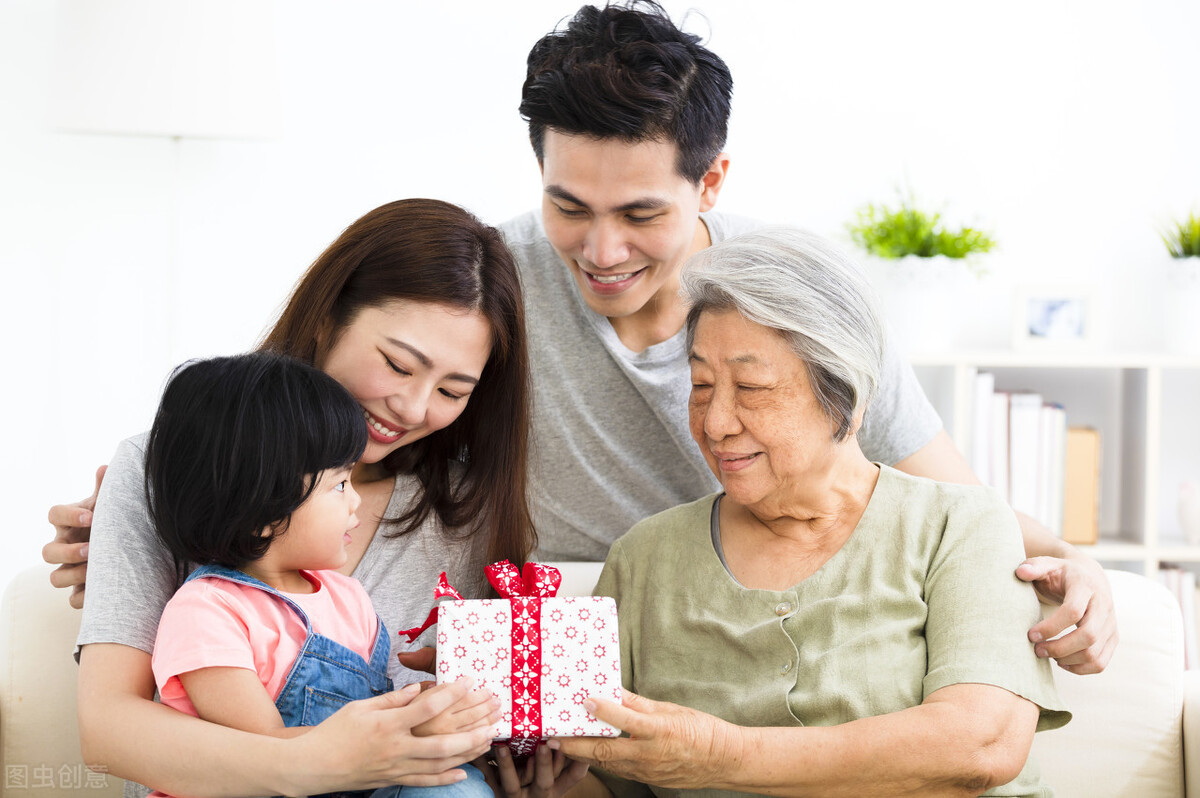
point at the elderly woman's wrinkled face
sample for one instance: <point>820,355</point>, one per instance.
<point>752,410</point>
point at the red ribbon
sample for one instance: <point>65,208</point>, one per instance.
<point>442,590</point>
<point>534,580</point>
<point>525,589</point>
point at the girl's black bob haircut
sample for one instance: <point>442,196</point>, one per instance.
<point>238,444</point>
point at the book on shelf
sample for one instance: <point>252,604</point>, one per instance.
<point>1024,440</point>
<point>1081,493</point>
<point>1018,447</point>
<point>998,444</point>
<point>981,426</point>
<point>1052,466</point>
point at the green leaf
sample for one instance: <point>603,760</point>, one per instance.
<point>1182,239</point>
<point>891,233</point>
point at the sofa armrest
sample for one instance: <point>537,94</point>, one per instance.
<point>39,734</point>
<point>1191,731</point>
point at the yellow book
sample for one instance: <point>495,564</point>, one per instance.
<point>1081,492</point>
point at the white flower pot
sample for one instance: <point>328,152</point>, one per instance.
<point>922,297</point>
<point>1182,311</point>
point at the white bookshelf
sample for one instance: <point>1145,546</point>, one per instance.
<point>1147,408</point>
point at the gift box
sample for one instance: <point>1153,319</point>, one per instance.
<point>540,654</point>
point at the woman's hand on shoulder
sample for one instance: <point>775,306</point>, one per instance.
<point>69,549</point>
<point>668,745</point>
<point>546,774</point>
<point>1079,585</point>
<point>372,743</point>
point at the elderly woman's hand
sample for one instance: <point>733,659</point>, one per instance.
<point>1080,586</point>
<point>669,745</point>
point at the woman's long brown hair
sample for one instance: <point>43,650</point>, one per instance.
<point>426,250</point>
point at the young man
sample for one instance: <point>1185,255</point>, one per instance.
<point>628,116</point>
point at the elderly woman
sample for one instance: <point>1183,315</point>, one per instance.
<point>825,625</point>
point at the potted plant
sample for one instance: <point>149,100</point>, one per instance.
<point>1182,239</point>
<point>920,262</point>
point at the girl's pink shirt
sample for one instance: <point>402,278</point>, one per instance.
<point>213,623</point>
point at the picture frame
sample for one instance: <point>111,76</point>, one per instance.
<point>1052,317</point>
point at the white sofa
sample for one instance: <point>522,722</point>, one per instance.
<point>1129,738</point>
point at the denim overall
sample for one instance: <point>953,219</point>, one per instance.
<point>326,675</point>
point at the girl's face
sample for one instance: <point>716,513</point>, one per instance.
<point>319,530</point>
<point>411,366</point>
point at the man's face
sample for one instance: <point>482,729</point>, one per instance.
<point>622,219</point>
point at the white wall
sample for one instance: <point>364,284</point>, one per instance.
<point>1067,128</point>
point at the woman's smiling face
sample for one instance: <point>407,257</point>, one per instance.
<point>753,412</point>
<point>411,366</point>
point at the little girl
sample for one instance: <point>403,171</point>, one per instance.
<point>248,477</point>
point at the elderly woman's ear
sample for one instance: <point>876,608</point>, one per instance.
<point>856,422</point>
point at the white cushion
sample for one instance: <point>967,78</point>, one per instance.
<point>39,735</point>
<point>1125,739</point>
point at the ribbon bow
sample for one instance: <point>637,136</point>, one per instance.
<point>535,579</point>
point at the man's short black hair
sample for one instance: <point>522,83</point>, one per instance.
<point>628,72</point>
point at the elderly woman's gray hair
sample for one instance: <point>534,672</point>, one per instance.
<point>809,292</point>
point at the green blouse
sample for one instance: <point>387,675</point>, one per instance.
<point>922,595</point>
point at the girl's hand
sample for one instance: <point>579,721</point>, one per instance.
<point>546,774</point>
<point>372,743</point>
<point>668,746</point>
<point>72,529</point>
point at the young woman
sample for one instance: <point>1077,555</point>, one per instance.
<point>416,310</point>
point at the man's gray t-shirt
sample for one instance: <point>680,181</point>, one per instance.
<point>611,444</point>
<point>131,575</point>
